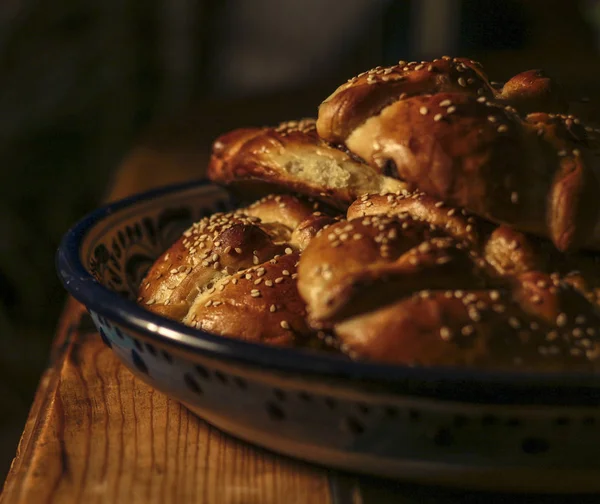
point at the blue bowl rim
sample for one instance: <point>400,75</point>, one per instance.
<point>453,383</point>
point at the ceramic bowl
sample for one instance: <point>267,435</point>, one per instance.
<point>503,431</point>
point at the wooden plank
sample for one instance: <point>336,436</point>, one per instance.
<point>98,434</point>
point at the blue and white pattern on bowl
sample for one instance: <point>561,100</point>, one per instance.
<point>448,426</point>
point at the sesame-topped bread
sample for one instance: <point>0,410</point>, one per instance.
<point>292,157</point>
<point>408,280</point>
<point>234,274</point>
<point>505,154</point>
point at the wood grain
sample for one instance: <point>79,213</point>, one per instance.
<point>98,434</point>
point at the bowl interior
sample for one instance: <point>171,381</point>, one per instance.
<point>120,249</point>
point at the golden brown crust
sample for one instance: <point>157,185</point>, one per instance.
<point>481,329</point>
<point>532,91</point>
<point>442,128</point>
<point>292,157</point>
<point>532,174</point>
<point>507,251</point>
<point>228,270</point>
<point>258,304</point>
<point>404,282</point>
<point>354,266</point>
<point>368,93</point>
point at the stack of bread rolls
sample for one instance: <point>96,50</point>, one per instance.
<point>426,217</point>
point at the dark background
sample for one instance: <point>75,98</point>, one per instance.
<point>81,82</point>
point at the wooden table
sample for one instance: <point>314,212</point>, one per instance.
<point>96,434</point>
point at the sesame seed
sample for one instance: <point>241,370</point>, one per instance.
<point>255,260</point>
<point>278,280</point>
<point>514,322</point>
<point>503,128</point>
<point>285,273</point>
<point>536,299</point>
<point>437,117</point>
<point>492,119</point>
<point>439,204</point>
<point>255,293</point>
<point>445,103</point>
<point>357,236</point>
<point>561,320</point>
<point>562,153</point>
<point>482,99</point>
<point>445,333</point>
<point>284,324</point>
<point>268,283</point>
<point>208,303</point>
<point>423,110</point>
<point>467,330</point>
<point>514,197</point>
<point>258,281</point>
<point>576,152</point>
<point>288,250</point>
<point>272,308</point>
<point>451,109</point>
<point>238,250</point>
<point>462,82</point>
<point>424,247</point>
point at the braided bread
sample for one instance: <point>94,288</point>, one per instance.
<point>408,280</point>
<point>233,274</point>
<point>291,156</point>
<point>441,127</point>
<point>451,185</point>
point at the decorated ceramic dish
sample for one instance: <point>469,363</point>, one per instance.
<point>464,427</point>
